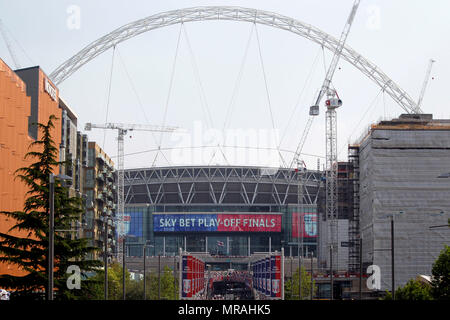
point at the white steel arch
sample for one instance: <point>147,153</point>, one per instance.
<point>168,18</point>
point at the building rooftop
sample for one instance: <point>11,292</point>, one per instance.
<point>423,121</point>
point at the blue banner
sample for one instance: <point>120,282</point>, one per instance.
<point>216,222</point>
<point>184,222</point>
<point>133,223</point>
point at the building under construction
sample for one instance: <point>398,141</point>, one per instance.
<point>403,168</point>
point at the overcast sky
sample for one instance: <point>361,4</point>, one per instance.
<point>198,85</point>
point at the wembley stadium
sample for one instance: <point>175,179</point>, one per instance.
<point>221,210</point>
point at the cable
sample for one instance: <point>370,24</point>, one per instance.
<point>203,100</point>
<point>170,90</point>
<point>136,94</point>
<point>214,146</point>
<point>236,87</point>
<point>267,89</point>
<point>109,94</point>
<point>307,80</point>
<point>238,81</point>
<point>11,35</point>
<point>371,104</point>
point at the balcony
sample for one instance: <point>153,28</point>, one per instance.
<point>100,176</point>
<point>109,195</point>
<point>100,158</point>
<point>100,197</point>
<point>110,176</point>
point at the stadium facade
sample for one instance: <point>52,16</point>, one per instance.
<point>222,210</point>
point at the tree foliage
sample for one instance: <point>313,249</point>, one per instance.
<point>30,253</point>
<point>291,286</point>
<point>134,289</point>
<point>413,290</point>
<point>441,275</point>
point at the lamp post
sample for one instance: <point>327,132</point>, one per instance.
<point>125,236</point>
<point>123,266</point>
<point>312,273</point>
<point>159,276</point>
<point>331,272</point>
<point>145,256</point>
<point>391,215</point>
<point>360,268</point>
<point>392,258</point>
<point>51,235</point>
<point>105,256</point>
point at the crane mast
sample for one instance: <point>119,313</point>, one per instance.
<point>325,89</point>
<point>122,130</point>
<point>331,184</point>
<point>424,86</point>
<point>332,103</point>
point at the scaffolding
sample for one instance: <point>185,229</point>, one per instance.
<point>353,230</point>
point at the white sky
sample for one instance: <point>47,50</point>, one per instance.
<point>399,36</point>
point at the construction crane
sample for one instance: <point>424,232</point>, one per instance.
<point>122,130</point>
<point>9,46</point>
<point>425,83</point>
<point>332,103</point>
<point>325,89</point>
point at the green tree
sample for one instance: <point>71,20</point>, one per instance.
<point>441,276</point>
<point>30,253</point>
<point>413,290</point>
<point>115,283</point>
<point>291,286</point>
<point>168,290</point>
<point>134,289</point>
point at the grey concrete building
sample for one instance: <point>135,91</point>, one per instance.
<point>400,162</point>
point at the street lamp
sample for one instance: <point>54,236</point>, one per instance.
<point>312,274</point>
<point>391,215</point>
<point>125,236</point>
<point>144,254</point>
<point>51,237</point>
<point>441,225</point>
<point>105,256</point>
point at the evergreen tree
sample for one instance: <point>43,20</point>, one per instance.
<point>30,253</point>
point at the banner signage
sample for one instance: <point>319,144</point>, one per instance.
<point>133,223</point>
<point>216,222</point>
<point>304,224</point>
<point>192,277</point>
<point>267,276</point>
<point>50,89</point>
